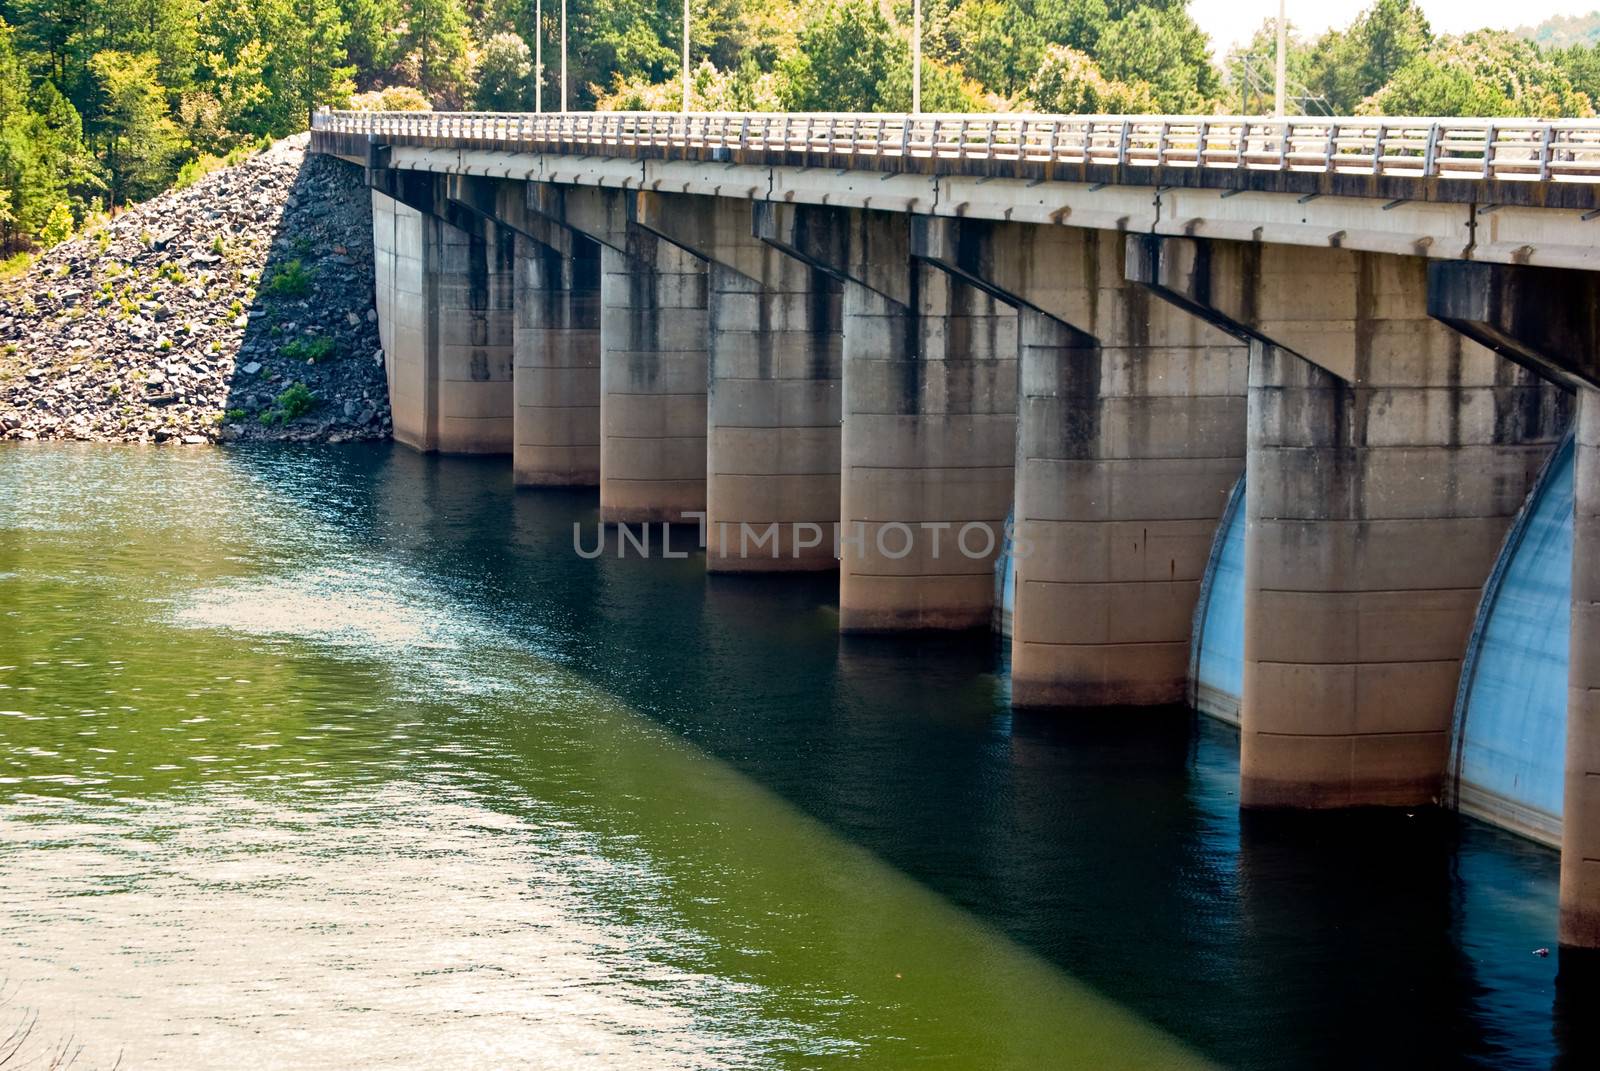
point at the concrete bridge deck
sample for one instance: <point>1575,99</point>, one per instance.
<point>909,327</point>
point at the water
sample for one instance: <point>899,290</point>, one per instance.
<point>333,757</point>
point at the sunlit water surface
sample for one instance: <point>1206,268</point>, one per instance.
<point>342,757</point>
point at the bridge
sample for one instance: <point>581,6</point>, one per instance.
<point>1279,407</point>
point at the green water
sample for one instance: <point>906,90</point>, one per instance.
<point>291,774</point>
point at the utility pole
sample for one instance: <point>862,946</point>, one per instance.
<point>538,55</point>
<point>563,56</point>
<point>916,56</point>
<point>1283,48</point>
<point>685,57</point>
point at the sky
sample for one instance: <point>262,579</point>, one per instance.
<point>1232,21</point>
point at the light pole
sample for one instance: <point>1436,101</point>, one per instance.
<point>685,57</point>
<point>563,56</point>
<point>1280,77</point>
<point>916,56</point>
<point>538,55</point>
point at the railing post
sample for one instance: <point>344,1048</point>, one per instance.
<point>1488,151</point>
<point>1430,153</point>
<point>1053,139</point>
<point>905,135</point>
<point>1122,143</point>
<point>1244,142</point>
<point>1377,150</point>
<point>1546,137</point>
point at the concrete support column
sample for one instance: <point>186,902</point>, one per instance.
<point>1548,320</point>
<point>1132,434</point>
<point>772,461</point>
<point>652,382</point>
<point>557,364</point>
<point>444,294</point>
<point>929,447</point>
<point>1387,456</point>
<point>1580,830</point>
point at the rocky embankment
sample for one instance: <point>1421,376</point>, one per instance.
<point>238,308</point>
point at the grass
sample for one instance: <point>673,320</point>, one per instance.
<point>15,266</point>
<point>206,164</point>
<point>313,348</point>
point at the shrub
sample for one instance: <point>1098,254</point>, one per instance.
<point>292,279</point>
<point>292,404</point>
<point>58,227</point>
<point>314,348</point>
<point>393,99</point>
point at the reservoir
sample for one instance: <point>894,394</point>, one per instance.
<point>322,756</point>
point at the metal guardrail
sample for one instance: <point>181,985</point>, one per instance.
<point>1501,149</point>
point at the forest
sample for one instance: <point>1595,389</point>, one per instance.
<point>106,102</point>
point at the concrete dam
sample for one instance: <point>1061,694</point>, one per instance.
<point>1293,420</point>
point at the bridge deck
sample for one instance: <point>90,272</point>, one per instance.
<point>1537,163</point>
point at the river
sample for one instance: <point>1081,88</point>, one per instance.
<point>341,756</point>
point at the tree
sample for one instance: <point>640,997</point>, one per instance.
<point>1163,48</point>
<point>137,136</point>
<point>846,51</point>
<point>1482,73</point>
<point>434,41</point>
<point>1068,81</point>
<point>370,38</point>
<point>1347,66</point>
<point>505,75</point>
<point>57,226</point>
<point>1250,72</point>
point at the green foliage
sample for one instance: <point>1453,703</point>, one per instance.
<point>58,228</point>
<point>291,405</point>
<point>505,75</point>
<point>393,99</point>
<point>107,101</point>
<point>1347,66</point>
<point>205,164</point>
<point>434,44</point>
<point>289,280</point>
<point>133,124</point>
<point>15,265</point>
<point>1481,73</point>
<point>846,50</point>
<point>1069,81</point>
<point>313,348</point>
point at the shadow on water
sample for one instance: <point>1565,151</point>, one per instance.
<point>1108,841</point>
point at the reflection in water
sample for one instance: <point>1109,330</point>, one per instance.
<point>336,756</point>
<point>274,785</point>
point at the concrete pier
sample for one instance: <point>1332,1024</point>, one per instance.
<point>775,332</point>
<point>1548,320</point>
<point>1387,456</point>
<point>445,307</point>
<point>1580,841</point>
<point>1132,434</point>
<point>928,453</point>
<point>557,362</point>
<point>772,460</point>
<point>652,381</point>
